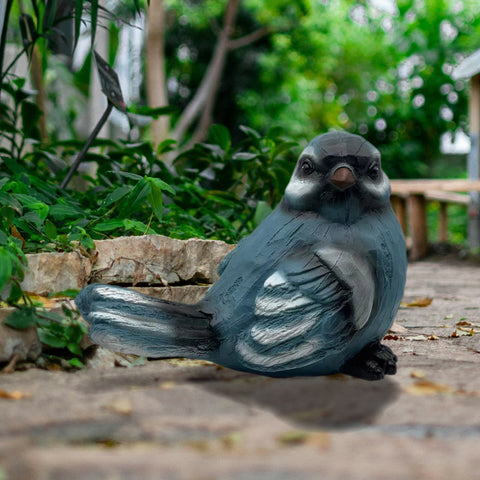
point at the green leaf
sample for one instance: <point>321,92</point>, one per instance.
<point>5,267</point>
<point>75,348</point>
<point>51,316</point>
<point>76,363</point>
<point>135,226</point>
<point>219,135</point>
<point>161,185</point>
<point>250,132</point>
<point>116,195</point>
<point>61,211</point>
<point>87,242</point>
<point>8,199</point>
<point>135,199</point>
<point>153,112</point>
<point>166,146</point>
<point>78,19</point>
<point>245,156</point>
<point>15,294</point>
<point>133,176</point>
<point>156,201</point>
<point>22,318</point>
<point>32,203</point>
<point>70,292</point>
<point>50,230</point>
<point>108,225</point>
<point>51,339</point>
<point>93,17</point>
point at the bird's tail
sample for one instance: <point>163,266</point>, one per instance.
<point>126,321</point>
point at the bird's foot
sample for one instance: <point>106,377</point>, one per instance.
<point>372,363</point>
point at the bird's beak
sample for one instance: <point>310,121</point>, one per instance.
<point>342,178</point>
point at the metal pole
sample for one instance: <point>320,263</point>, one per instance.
<point>91,138</point>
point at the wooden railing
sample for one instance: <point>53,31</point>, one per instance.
<point>409,199</point>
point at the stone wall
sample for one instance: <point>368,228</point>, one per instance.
<point>157,263</point>
<point>170,269</point>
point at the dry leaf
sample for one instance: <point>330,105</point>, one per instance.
<point>463,323</point>
<point>231,440</point>
<point>187,362</point>
<point>390,337</point>
<point>293,437</point>
<point>14,395</point>
<point>433,337</point>
<point>426,387</point>
<point>417,338</point>
<point>461,333</point>
<point>469,331</point>
<point>44,301</point>
<point>300,437</point>
<point>15,233</point>
<point>420,302</point>
<point>168,385</point>
<point>122,406</point>
<point>417,374</point>
<point>319,439</point>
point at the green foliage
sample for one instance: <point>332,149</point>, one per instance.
<point>217,190</point>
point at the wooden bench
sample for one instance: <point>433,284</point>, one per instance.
<point>409,199</point>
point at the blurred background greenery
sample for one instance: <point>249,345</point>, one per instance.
<point>380,68</point>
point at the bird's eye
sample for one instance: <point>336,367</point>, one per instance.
<point>373,171</point>
<point>307,167</point>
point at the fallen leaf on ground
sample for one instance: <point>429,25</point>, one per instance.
<point>463,323</point>
<point>426,387</point>
<point>417,374</point>
<point>14,395</point>
<point>231,440</point>
<point>390,337</point>
<point>299,437</point>
<point>187,362</point>
<point>168,385</point>
<point>433,337</point>
<point>420,302</point>
<point>417,338</point>
<point>461,333</point>
<point>122,405</point>
<point>470,330</point>
<point>45,302</point>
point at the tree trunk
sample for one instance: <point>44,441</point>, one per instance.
<point>205,95</point>
<point>36,71</point>
<point>156,81</point>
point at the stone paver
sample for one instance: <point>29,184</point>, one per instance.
<point>175,419</point>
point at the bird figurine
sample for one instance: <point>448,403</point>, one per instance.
<point>311,291</point>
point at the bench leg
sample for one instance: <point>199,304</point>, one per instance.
<point>399,205</point>
<point>443,223</point>
<point>417,214</point>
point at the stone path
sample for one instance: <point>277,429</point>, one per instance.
<point>177,419</point>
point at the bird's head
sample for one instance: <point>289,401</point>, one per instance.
<point>338,175</point>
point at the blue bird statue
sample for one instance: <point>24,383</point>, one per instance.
<point>311,291</point>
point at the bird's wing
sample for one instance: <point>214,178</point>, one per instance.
<point>307,309</point>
